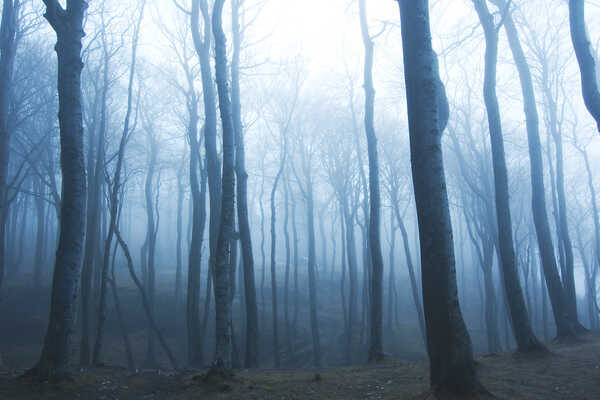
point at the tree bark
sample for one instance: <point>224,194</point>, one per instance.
<point>8,49</point>
<point>565,328</point>
<point>276,356</point>
<point>227,217</point>
<point>526,340</point>
<point>376,264</point>
<point>585,58</point>
<point>68,25</point>
<point>452,369</point>
<point>251,359</point>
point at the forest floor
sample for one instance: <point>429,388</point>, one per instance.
<point>571,372</point>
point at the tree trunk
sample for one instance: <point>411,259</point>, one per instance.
<point>276,356</point>
<point>376,283</point>
<point>40,237</point>
<point>8,49</point>
<point>585,58</point>
<point>114,203</point>
<point>227,217</point>
<point>312,280</point>
<point>198,192</point>
<point>452,368</point>
<point>68,25</point>
<point>411,272</point>
<point>565,328</point>
<point>526,340</point>
<point>202,44</point>
<point>563,227</point>
<point>251,359</point>
<point>352,278</point>
<point>151,228</point>
<point>286,290</point>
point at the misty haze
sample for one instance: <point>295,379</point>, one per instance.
<point>317,199</point>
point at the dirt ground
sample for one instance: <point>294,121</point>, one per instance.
<point>571,372</point>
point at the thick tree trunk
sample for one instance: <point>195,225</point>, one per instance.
<point>565,328</point>
<point>585,58</point>
<point>526,340</point>
<point>227,217</point>
<point>68,25</point>
<point>452,368</point>
<point>251,359</point>
<point>8,47</point>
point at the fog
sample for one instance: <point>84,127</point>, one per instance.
<point>160,234</point>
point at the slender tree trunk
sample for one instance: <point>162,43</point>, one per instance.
<point>526,340</point>
<point>411,271</point>
<point>391,277</point>
<point>179,240</point>
<point>251,310</point>
<point>202,44</point>
<point>352,278</point>
<point>296,263</point>
<point>343,286</point>
<point>452,368</point>
<point>563,226</point>
<point>376,283</point>
<point>262,250</point>
<point>145,300</point>
<point>115,193</point>
<point>198,192</point>
<point>276,355</point>
<point>565,328</point>
<point>312,280</point>
<point>151,228</point>
<point>38,260</point>
<point>286,291</point>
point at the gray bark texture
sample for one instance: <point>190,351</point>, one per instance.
<point>526,340</point>
<point>540,217</point>
<point>251,359</point>
<point>452,369</point>
<point>585,58</point>
<point>54,362</point>
<point>376,284</point>
<point>225,239</point>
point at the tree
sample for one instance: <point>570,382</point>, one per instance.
<point>376,289</point>
<point>452,369</point>
<point>226,229</point>
<point>68,25</point>
<point>251,359</point>
<point>565,328</point>
<point>585,58</point>
<point>526,340</point>
<point>8,49</point>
